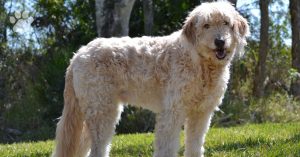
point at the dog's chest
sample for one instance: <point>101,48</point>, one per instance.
<point>207,89</point>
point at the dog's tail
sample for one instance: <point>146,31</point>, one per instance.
<point>69,127</point>
<point>85,142</point>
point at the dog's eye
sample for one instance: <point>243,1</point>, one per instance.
<point>206,26</point>
<point>226,23</point>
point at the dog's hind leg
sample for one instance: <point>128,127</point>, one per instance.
<point>101,125</point>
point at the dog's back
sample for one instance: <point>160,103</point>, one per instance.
<point>137,68</point>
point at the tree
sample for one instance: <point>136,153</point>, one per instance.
<point>3,19</point>
<point>295,22</point>
<point>2,51</point>
<point>148,16</point>
<point>112,17</point>
<point>233,2</point>
<point>260,69</point>
<point>202,1</point>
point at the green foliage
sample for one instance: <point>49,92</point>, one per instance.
<point>136,120</point>
<point>65,23</point>
<point>275,108</point>
<point>293,73</point>
<point>38,101</point>
<point>249,140</point>
<point>34,78</point>
<point>168,16</point>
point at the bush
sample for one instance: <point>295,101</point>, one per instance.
<point>134,120</point>
<point>34,98</point>
<point>275,108</point>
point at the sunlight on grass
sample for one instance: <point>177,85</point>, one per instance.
<point>248,140</point>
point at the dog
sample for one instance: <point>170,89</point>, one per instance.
<point>181,77</point>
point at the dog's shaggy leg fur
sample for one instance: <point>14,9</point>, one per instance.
<point>197,124</point>
<point>102,125</point>
<point>168,126</point>
<point>102,128</point>
<point>70,124</point>
<point>167,130</point>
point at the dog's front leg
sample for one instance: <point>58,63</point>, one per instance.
<point>197,124</point>
<point>167,131</point>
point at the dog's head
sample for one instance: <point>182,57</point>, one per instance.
<point>217,31</point>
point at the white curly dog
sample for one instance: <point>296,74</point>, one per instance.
<point>181,77</point>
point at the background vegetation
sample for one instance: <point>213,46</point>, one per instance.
<point>33,59</point>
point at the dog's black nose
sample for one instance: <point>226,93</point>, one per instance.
<point>219,43</point>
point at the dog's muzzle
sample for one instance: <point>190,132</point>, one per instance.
<point>220,51</point>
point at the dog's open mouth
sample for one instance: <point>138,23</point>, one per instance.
<point>220,53</point>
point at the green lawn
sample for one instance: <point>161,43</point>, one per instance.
<point>249,140</point>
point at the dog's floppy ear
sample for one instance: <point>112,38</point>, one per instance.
<point>241,26</point>
<point>241,29</point>
<point>189,29</point>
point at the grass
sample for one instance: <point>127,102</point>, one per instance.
<point>248,140</point>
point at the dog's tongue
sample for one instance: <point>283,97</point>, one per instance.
<point>220,54</point>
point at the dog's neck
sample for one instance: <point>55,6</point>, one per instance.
<point>188,47</point>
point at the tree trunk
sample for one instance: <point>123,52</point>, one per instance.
<point>233,2</point>
<point>260,69</point>
<point>3,20</point>
<point>295,22</point>
<point>202,1</point>
<point>112,17</point>
<point>148,16</point>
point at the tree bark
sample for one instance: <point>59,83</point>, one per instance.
<point>202,1</point>
<point>148,16</point>
<point>295,22</point>
<point>260,69</point>
<point>233,2</point>
<point>112,17</point>
<point>3,20</point>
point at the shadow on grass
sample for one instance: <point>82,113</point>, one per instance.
<point>295,138</point>
<point>42,134</point>
<point>252,143</point>
<point>142,150</point>
<point>147,149</point>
